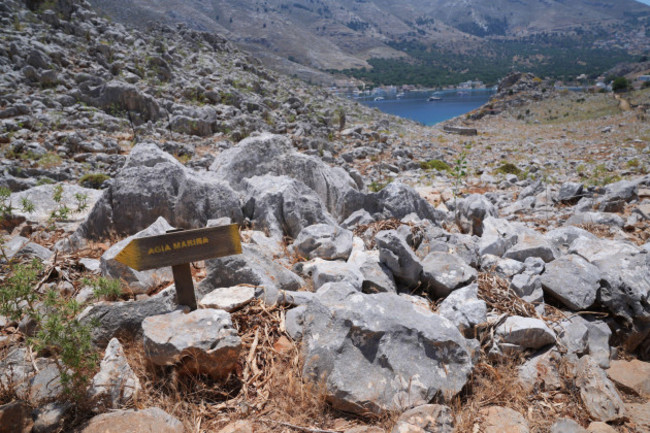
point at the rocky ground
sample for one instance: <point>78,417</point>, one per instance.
<point>393,276</point>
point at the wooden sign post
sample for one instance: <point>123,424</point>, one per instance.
<point>178,248</point>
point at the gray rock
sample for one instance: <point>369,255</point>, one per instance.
<point>377,278</point>
<point>531,244</point>
<point>139,282</point>
<point>35,251</point>
<point>51,417</point>
<point>13,245</point>
<point>250,267</point>
<point>153,184</point>
<point>43,199</point>
<point>443,273</point>
<point>201,121</point>
<point>563,237</point>
<point>542,371</point>
<point>598,342</point>
<point>268,154</point>
<point>573,335</point>
<point>570,192</point>
<point>626,285</point>
<point>117,95</point>
<point>597,392</point>
<point>526,332</point>
<point>117,318</point>
<point>566,425</point>
<point>357,218</point>
<point>324,272</point>
<point>295,321</point>
<point>115,384</point>
<point>151,419</point>
<point>473,210</point>
<point>534,265</point>
<point>596,249</point>
<point>283,205</point>
<point>498,236</point>
<point>573,281</point>
<point>397,255</point>
<point>528,287</point>
<point>201,341</point>
<point>600,218</point>
<point>324,241</point>
<point>228,298</point>
<point>463,308</point>
<point>403,355</point>
<point>623,190</point>
<point>428,418</point>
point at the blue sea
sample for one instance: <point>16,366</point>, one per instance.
<point>415,105</point>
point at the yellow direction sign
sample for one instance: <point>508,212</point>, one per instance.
<point>178,248</point>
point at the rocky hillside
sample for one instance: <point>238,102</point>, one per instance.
<point>334,34</point>
<point>393,277</point>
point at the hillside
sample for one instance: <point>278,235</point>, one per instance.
<point>335,35</point>
<point>354,272</point>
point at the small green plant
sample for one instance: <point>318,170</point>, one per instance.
<point>435,164</point>
<point>633,163</point>
<point>6,207</point>
<point>378,186</point>
<point>62,211</point>
<point>104,288</point>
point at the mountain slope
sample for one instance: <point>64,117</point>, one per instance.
<point>337,34</point>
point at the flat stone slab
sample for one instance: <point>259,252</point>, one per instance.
<point>228,298</point>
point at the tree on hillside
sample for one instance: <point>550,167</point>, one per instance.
<point>620,84</point>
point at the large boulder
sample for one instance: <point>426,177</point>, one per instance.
<point>44,204</point>
<point>138,281</point>
<point>573,281</point>
<point>152,184</point>
<point>274,155</point>
<point>283,206</point>
<point>396,200</point>
<point>381,352</point>
<point>202,341</point>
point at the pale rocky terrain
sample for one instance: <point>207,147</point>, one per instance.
<point>376,291</point>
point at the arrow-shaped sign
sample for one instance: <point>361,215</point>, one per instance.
<point>178,249</point>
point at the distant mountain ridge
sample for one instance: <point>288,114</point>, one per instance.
<point>292,35</point>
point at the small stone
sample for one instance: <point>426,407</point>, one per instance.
<point>442,273</point>
<point>324,241</point>
<point>525,332</point>
<point>16,417</point>
<point>228,298</point>
<point>428,418</point>
<point>600,427</point>
<point>241,426</point>
<point>566,425</point>
<point>497,419</point>
<point>152,419</point>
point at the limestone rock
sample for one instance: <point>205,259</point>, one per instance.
<point>525,332</point>
<point>632,375</point>
<point>566,425</point>
<point>202,341</point>
<point>573,281</point>
<point>115,384</point>
<point>403,355</point>
<point>324,241</point>
<point>152,419</point>
<point>228,298</point>
<point>442,273</point>
<point>463,308</point>
<point>497,419</point>
<point>428,418</point>
<point>598,393</point>
<point>398,256</point>
<point>473,210</point>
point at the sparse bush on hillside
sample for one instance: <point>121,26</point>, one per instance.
<point>620,84</point>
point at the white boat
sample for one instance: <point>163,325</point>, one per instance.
<point>379,98</point>
<point>399,95</point>
<point>434,98</point>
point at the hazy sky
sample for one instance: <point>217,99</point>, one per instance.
<point>644,1</point>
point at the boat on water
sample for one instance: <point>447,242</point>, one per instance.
<point>400,95</point>
<point>434,98</point>
<point>462,93</point>
<point>379,98</point>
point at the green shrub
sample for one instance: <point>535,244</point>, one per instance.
<point>378,186</point>
<point>93,180</point>
<point>620,84</point>
<point>508,168</point>
<point>435,164</point>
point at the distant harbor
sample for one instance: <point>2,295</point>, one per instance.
<point>427,107</point>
